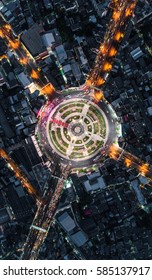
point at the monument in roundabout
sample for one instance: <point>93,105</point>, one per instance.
<point>74,129</point>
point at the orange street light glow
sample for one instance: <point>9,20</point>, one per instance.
<point>115,1</point>
<point>144,168</point>
<point>18,173</point>
<point>98,95</point>
<point>24,60</point>
<point>7,27</point>
<point>103,49</point>
<point>107,66</point>
<point>119,35</point>
<point>88,82</point>
<point>14,44</point>
<point>2,34</point>
<point>116,15</point>
<point>35,74</point>
<point>129,11</point>
<point>128,162</point>
<point>48,89</point>
<point>112,52</point>
<point>100,81</point>
<point>113,153</point>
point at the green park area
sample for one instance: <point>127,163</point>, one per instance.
<point>85,115</point>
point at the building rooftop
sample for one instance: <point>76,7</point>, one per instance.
<point>32,39</point>
<point>4,216</point>
<point>61,53</point>
<point>79,238</point>
<point>48,39</point>
<point>67,222</point>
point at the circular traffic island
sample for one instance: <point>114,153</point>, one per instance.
<point>74,129</point>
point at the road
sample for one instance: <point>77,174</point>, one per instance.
<point>25,58</point>
<point>20,175</point>
<point>130,160</point>
<point>103,64</point>
<point>108,49</point>
<point>44,217</point>
<point>43,133</point>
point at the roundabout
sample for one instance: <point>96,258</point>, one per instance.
<point>77,129</point>
<point>74,129</point>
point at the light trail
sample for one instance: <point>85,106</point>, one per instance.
<point>109,47</point>
<point>19,175</point>
<point>25,58</point>
<point>60,123</point>
<point>130,161</point>
<point>43,219</point>
<point>122,9</point>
